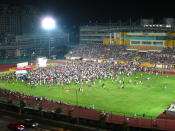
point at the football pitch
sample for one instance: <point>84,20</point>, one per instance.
<point>143,93</point>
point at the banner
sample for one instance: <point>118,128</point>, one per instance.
<point>146,64</point>
<point>42,62</point>
<point>22,65</point>
<point>18,72</point>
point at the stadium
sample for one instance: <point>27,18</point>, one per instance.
<point>116,74</point>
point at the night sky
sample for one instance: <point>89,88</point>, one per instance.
<point>79,12</point>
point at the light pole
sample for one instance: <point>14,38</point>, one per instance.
<point>77,106</point>
<point>76,97</point>
<point>49,43</point>
<point>48,23</point>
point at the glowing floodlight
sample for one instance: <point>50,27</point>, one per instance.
<point>48,23</point>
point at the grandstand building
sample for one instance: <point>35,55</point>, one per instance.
<point>144,36</point>
<point>32,43</point>
<point>20,33</point>
<point>17,19</point>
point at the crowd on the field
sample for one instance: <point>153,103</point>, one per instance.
<point>77,71</point>
<point>80,71</point>
<point>120,52</point>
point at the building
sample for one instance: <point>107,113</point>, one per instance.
<point>145,35</point>
<point>17,19</point>
<point>21,36</point>
<point>33,44</point>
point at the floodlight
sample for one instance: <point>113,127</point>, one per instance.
<point>48,23</point>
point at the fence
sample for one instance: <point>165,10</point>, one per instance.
<point>17,60</point>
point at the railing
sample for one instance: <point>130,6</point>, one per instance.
<point>17,60</point>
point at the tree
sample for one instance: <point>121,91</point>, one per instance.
<point>9,101</point>
<point>70,114</point>
<point>40,109</point>
<point>22,104</point>
<point>102,118</point>
<point>58,110</point>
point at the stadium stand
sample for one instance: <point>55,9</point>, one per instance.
<point>120,52</point>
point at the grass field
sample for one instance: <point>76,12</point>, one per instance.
<point>7,72</point>
<point>151,97</point>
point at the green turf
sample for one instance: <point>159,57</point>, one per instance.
<point>7,72</point>
<point>150,98</point>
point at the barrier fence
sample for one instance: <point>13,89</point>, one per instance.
<point>16,60</point>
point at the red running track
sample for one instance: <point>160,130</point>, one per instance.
<point>6,67</point>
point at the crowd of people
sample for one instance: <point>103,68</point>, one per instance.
<point>88,71</point>
<point>120,52</point>
<point>78,72</point>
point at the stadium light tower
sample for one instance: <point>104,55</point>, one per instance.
<point>48,23</point>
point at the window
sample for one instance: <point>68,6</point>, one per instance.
<point>158,43</point>
<point>135,42</point>
<point>146,43</point>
